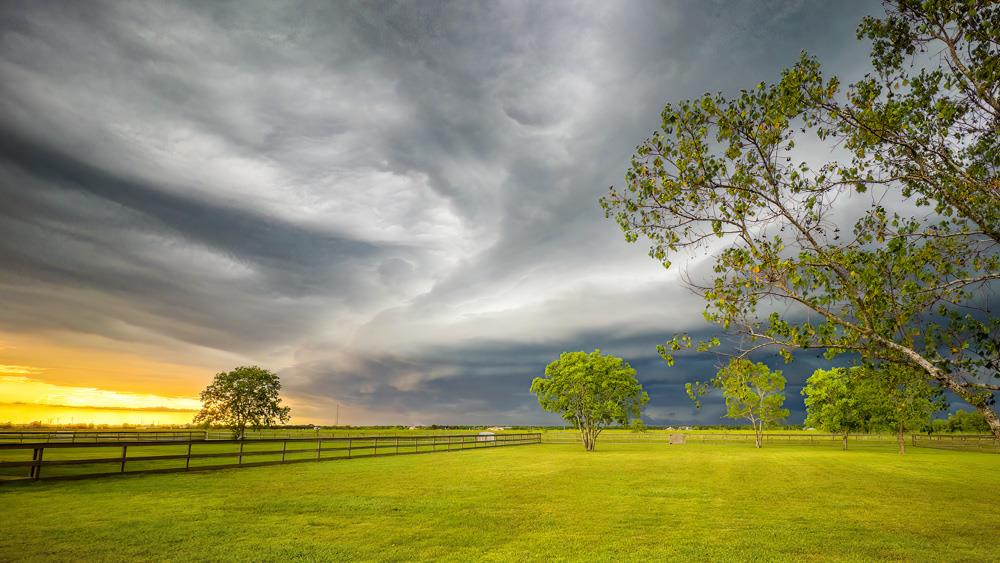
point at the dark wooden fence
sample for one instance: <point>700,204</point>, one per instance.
<point>75,436</point>
<point>985,443</point>
<point>744,437</point>
<point>82,436</point>
<point>967,442</point>
<point>188,455</point>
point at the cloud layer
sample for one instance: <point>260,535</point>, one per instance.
<point>393,204</point>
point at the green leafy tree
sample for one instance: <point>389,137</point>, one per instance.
<point>751,391</point>
<point>245,396</point>
<point>907,399</point>
<point>892,288</point>
<point>841,401</point>
<point>591,391</point>
<point>932,131</point>
<point>637,426</point>
<point>933,128</point>
<point>937,425</point>
<point>964,421</point>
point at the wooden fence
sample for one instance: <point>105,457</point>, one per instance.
<point>967,442</point>
<point>952,441</point>
<point>192,455</point>
<point>691,437</point>
<point>83,436</point>
<point>75,436</point>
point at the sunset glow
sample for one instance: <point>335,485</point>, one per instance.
<point>56,380</point>
<point>26,400</point>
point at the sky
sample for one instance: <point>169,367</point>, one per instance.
<point>393,206</point>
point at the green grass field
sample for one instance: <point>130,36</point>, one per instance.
<point>541,502</point>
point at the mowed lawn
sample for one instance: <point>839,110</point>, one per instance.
<point>539,502</point>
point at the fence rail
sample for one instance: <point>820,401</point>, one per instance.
<point>970,442</point>
<point>722,437</point>
<point>958,442</point>
<point>78,436</point>
<point>142,457</point>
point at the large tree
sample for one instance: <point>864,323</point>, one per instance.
<point>841,401</point>
<point>751,391</point>
<point>908,399</point>
<point>245,396</point>
<point>962,421</point>
<point>805,260</point>
<point>867,398</point>
<point>591,391</point>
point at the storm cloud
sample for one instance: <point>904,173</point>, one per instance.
<point>394,205</point>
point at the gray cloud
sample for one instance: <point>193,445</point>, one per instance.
<point>394,203</point>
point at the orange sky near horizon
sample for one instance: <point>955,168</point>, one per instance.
<point>69,360</point>
<point>62,383</point>
<point>61,379</point>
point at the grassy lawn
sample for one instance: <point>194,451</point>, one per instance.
<point>542,502</point>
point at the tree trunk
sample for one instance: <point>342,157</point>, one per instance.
<point>900,439</point>
<point>757,435</point>
<point>991,418</point>
<point>949,383</point>
<point>845,441</point>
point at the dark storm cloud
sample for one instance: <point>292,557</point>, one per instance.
<point>234,231</point>
<point>397,201</point>
<point>488,382</point>
<point>40,236</point>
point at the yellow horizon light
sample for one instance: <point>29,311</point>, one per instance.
<point>20,389</point>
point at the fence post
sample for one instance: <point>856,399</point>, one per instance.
<point>375,446</point>
<point>397,445</point>
<point>349,441</point>
<point>240,458</point>
<point>187,462</point>
<point>319,446</point>
<point>36,470</point>
<point>284,445</point>
<point>124,456</point>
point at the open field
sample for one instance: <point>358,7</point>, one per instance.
<point>74,455</point>
<point>624,501</point>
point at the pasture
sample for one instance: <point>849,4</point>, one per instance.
<point>543,502</point>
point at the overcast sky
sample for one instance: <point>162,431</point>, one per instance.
<point>392,205</point>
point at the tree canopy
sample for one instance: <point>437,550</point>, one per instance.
<point>245,396</point>
<point>869,398</point>
<point>907,399</point>
<point>591,391</point>
<point>751,391</point>
<point>841,401</point>
<point>813,257</point>
<point>961,421</point>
